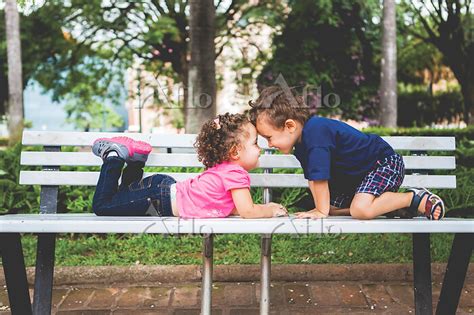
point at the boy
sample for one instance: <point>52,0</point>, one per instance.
<point>348,172</point>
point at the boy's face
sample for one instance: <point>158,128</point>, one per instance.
<point>284,138</point>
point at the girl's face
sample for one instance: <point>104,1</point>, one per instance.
<point>248,150</point>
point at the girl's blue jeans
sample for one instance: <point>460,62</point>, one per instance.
<point>136,196</point>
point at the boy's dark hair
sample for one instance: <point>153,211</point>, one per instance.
<point>279,104</point>
<point>218,136</point>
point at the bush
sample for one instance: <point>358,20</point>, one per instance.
<point>420,108</point>
<point>13,197</point>
<point>25,198</point>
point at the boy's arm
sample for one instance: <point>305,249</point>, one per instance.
<point>321,196</point>
<point>248,210</point>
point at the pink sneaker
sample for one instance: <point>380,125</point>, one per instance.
<point>126,148</point>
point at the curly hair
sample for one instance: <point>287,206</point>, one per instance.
<point>218,136</point>
<point>279,104</point>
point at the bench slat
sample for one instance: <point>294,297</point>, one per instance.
<point>257,180</point>
<point>187,140</point>
<point>190,160</point>
<point>90,223</point>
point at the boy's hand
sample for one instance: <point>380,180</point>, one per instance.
<point>313,214</point>
<point>278,210</point>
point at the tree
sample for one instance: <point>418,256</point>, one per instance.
<point>388,81</point>
<point>202,73</point>
<point>15,83</point>
<point>449,26</point>
<point>331,46</point>
<point>61,64</point>
<point>157,32</point>
<point>414,58</point>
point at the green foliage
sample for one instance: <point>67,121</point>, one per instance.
<point>461,134</point>
<point>331,45</point>
<point>148,249</point>
<point>67,68</point>
<point>420,108</point>
<point>87,111</point>
<point>461,199</point>
<point>13,197</point>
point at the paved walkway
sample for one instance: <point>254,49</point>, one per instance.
<point>242,298</point>
<point>295,290</point>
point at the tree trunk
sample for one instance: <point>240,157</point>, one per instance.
<point>202,74</point>
<point>467,89</point>
<point>388,82</point>
<point>15,83</point>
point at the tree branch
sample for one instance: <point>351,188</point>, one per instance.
<point>157,5</point>
<point>426,25</point>
<point>437,9</point>
<point>433,16</point>
<point>170,6</point>
<point>182,6</point>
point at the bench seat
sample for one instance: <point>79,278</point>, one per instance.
<point>90,223</point>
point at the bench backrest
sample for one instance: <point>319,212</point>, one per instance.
<point>417,162</point>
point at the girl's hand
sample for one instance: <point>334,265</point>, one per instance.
<point>313,214</point>
<point>278,210</point>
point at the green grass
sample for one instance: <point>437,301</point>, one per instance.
<point>147,249</point>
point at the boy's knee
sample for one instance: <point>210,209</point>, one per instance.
<point>359,211</point>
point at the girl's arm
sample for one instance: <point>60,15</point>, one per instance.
<point>248,210</point>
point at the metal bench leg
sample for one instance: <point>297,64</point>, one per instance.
<point>15,273</point>
<point>422,273</point>
<point>455,273</point>
<point>206,290</point>
<point>43,293</point>
<point>265,262</point>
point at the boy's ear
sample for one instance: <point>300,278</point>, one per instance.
<point>290,124</point>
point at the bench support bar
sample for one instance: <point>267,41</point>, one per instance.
<point>206,291</point>
<point>44,271</point>
<point>422,273</point>
<point>15,273</point>
<point>265,263</point>
<point>455,273</point>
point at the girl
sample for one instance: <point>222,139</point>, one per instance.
<point>226,145</point>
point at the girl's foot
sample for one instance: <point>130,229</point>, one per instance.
<point>427,203</point>
<point>126,148</point>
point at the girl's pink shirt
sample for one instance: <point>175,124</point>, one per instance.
<point>209,194</point>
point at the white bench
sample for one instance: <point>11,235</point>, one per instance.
<point>47,224</point>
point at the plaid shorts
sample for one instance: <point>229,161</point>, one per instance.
<point>386,175</point>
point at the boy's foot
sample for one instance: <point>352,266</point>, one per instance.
<point>126,148</point>
<point>427,203</point>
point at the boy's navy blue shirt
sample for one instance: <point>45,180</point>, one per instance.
<point>331,149</point>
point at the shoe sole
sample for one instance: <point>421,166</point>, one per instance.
<point>135,150</point>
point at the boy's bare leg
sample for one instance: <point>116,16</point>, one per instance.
<point>367,206</point>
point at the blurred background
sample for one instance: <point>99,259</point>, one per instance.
<point>118,65</point>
